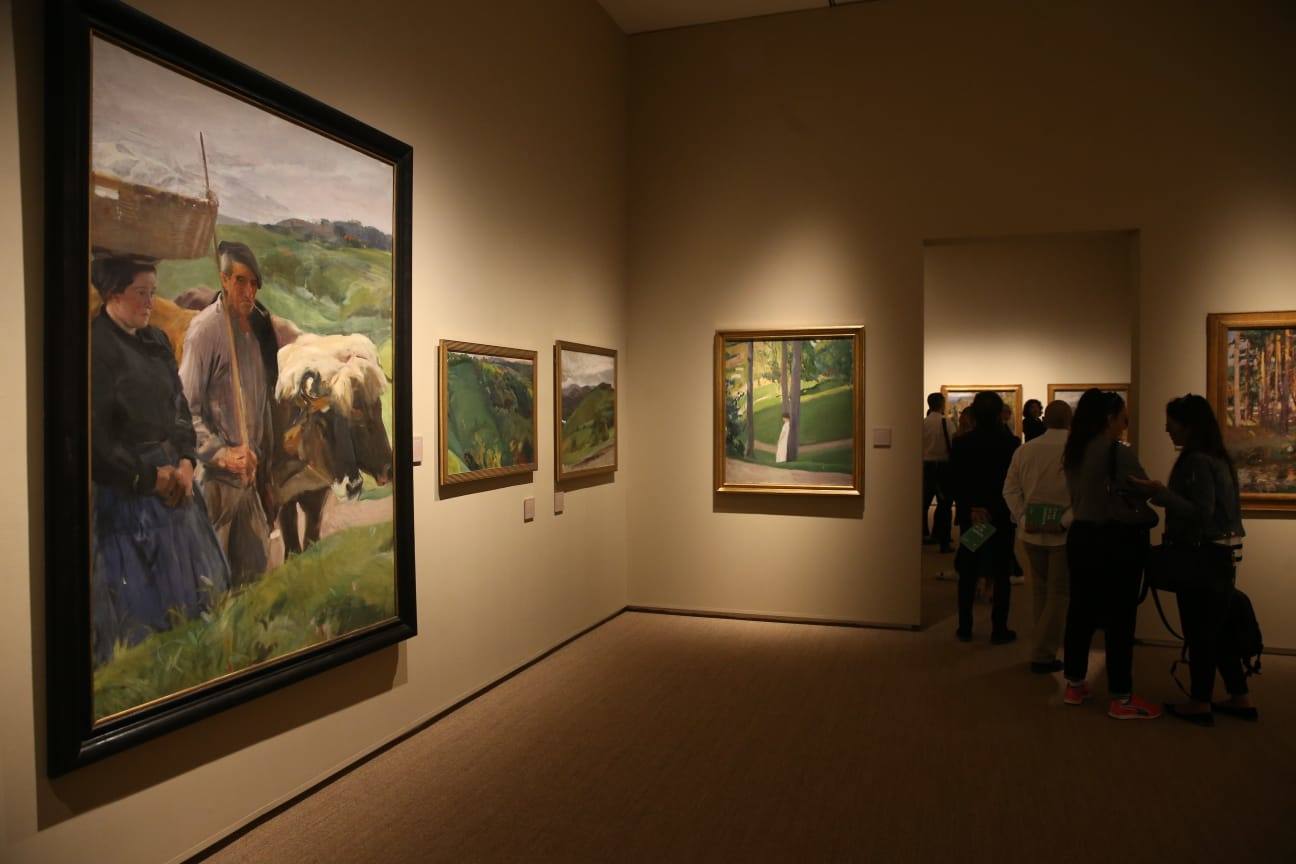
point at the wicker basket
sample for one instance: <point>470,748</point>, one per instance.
<point>130,219</point>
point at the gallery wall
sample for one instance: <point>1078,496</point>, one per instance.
<point>1033,311</point>
<point>516,112</point>
<point>789,170</point>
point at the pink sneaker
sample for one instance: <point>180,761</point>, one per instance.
<point>1076,695</point>
<point>1133,709</point>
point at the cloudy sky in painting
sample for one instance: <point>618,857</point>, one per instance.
<point>146,120</point>
<point>586,370</point>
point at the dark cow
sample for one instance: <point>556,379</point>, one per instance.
<point>328,413</point>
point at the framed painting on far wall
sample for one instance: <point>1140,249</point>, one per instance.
<point>488,411</point>
<point>958,398</point>
<point>585,410</point>
<point>1251,384</point>
<point>227,352</point>
<point>1071,393</point>
<point>789,409</point>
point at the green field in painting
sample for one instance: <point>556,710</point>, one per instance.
<point>339,585</point>
<point>825,415</point>
<point>490,411</point>
<point>838,460</point>
<point>590,428</point>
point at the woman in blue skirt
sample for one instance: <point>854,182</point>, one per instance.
<point>156,557</point>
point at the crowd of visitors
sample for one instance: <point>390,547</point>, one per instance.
<point>1078,499</point>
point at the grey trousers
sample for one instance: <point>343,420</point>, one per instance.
<point>241,527</point>
<point>1051,587</point>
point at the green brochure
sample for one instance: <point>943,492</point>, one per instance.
<point>1044,518</point>
<point>976,536</point>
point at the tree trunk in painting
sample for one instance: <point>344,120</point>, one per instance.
<point>1237,381</point>
<point>794,433</point>
<point>783,377</point>
<point>1285,381</point>
<point>751,415</point>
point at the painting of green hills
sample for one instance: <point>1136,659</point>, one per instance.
<point>585,410</point>
<point>488,418</point>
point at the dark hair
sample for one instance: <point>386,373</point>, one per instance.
<point>935,401</point>
<point>987,409</point>
<point>1197,417</point>
<point>1093,413</point>
<point>1029,402</point>
<point>232,252</point>
<point>113,275</point>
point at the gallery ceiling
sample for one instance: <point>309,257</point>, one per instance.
<point>641,16</point>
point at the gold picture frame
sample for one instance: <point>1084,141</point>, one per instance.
<point>1014,389</point>
<point>1245,436</point>
<point>597,459</point>
<point>743,460</point>
<point>489,447</point>
<point>1125,390</point>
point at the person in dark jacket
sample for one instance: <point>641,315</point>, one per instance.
<point>1032,424</point>
<point>154,549</point>
<point>978,465</point>
<point>1204,514</point>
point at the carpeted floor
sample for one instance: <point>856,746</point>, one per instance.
<point>665,738</point>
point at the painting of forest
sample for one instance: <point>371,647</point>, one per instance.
<point>1258,414</point>
<point>790,412</point>
<point>586,430</point>
<point>488,412</point>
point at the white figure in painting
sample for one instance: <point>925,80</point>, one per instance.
<point>780,454</point>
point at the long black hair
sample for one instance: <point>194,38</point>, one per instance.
<point>1093,413</point>
<point>1197,417</point>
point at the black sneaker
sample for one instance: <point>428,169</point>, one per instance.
<point>1048,667</point>
<point>1003,637</point>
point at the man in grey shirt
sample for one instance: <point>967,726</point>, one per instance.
<point>233,466</point>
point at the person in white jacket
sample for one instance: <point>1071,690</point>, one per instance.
<point>1035,478</point>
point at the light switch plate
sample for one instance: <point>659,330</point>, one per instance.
<point>882,437</point>
<point>528,510</point>
<point>558,502</point>
<point>418,449</point>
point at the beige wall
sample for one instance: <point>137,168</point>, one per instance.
<point>788,171</point>
<point>516,112</point>
<point>1033,311</point>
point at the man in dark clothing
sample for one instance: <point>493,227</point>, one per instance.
<point>979,464</point>
<point>1032,425</point>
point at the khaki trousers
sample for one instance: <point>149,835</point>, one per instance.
<point>241,528</point>
<point>1051,587</point>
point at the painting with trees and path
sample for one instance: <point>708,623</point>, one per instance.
<point>488,417</point>
<point>788,411</point>
<point>585,410</point>
<point>1251,383</point>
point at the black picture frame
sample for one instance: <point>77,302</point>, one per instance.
<point>73,739</point>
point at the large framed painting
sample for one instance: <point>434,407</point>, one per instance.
<point>1071,393</point>
<point>1251,383</point>
<point>789,411</point>
<point>227,414</point>
<point>585,410</point>
<point>958,398</point>
<point>488,411</point>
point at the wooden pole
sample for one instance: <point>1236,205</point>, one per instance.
<point>235,377</point>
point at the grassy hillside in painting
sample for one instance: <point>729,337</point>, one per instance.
<point>489,418</point>
<point>590,426</point>
<point>339,585</point>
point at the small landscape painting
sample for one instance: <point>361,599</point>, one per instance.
<point>1251,361</point>
<point>789,411</point>
<point>488,417</point>
<point>958,398</point>
<point>585,410</point>
<point>1071,393</point>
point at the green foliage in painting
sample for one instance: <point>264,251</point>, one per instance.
<point>489,417</point>
<point>589,427</point>
<point>339,585</point>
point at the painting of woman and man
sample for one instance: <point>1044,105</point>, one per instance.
<point>789,411</point>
